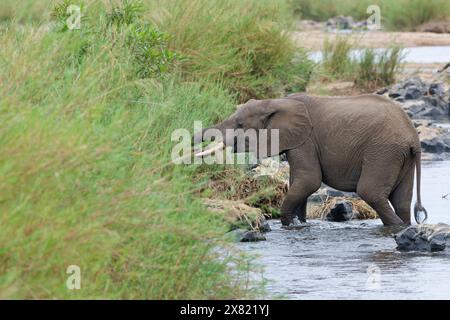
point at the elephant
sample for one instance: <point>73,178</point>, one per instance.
<point>365,144</point>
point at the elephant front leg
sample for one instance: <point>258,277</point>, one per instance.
<point>295,204</point>
<point>305,178</point>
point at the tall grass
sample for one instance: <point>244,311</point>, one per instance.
<point>85,146</point>
<point>336,58</point>
<point>368,69</point>
<point>395,15</point>
<point>377,69</point>
<point>241,45</point>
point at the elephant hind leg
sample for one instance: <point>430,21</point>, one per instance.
<point>401,196</point>
<point>375,185</point>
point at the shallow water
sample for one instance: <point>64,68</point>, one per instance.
<point>357,259</point>
<point>425,54</point>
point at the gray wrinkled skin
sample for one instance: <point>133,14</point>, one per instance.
<point>365,144</point>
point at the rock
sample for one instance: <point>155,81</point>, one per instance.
<point>248,235</point>
<point>412,88</point>
<point>423,237</point>
<point>263,225</point>
<point>345,23</point>
<point>342,211</point>
<point>435,145</point>
<point>421,99</point>
<point>413,93</point>
<point>433,139</point>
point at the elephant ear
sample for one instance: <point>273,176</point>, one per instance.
<point>291,118</point>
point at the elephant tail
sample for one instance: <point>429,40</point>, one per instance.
<point>418,208</point>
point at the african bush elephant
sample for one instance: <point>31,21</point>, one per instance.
<point>365,144</point>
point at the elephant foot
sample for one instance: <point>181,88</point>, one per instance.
<point>292,222</point>
<point>287,219</point>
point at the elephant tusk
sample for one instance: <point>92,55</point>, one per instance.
<point>211,150</point>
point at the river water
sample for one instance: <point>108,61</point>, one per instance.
<point>357,259</point>
<point>424,54</point>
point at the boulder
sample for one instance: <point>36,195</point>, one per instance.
<point>345,23</point>
<point>423,237</point>
<point>433,139</point>
<point>342,211</point>
<point>421,99</point>
<point>248,235</point>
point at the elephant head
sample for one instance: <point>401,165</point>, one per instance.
<point>288,117</point>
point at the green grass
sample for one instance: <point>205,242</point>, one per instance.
<point>241,45</point>
<point>336,57</point>
<point>85,144</point>
<point>378,69</point>
<point>395,15</point>
<point>370,70</point>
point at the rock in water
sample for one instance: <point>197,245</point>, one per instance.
<point>342,211</point>
<point>248,235</point>
<point>421,99</point>
<point>423,237</point>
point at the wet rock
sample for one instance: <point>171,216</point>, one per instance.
<point>248,235</point>
<point>433,139</point>
<point>424,237</point>
<point>342,211</point>
<point>412,88</point>
<point>413,93</point>
<point>421,99</point>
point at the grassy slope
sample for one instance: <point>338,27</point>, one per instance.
<point>85,156</point>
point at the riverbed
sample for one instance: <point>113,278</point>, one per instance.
<point>357,259</point>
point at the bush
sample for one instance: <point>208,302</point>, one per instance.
<point>368,68</point>
<point>241,45</point>
<point>336,58</point>
<point>149,49</point>
<point>375,69</point>
<point>87,177</point>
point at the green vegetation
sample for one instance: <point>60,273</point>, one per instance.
<point>87,117</point>
<point>336,57</point>
<point>377,69</point>
<point>395,15</point>
<point>369,69</point>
